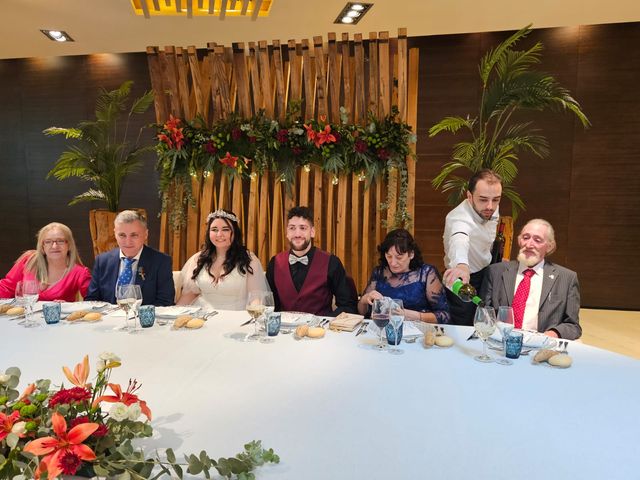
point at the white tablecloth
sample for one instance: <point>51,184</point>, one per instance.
<point>333,408</point>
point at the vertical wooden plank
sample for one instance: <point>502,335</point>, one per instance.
<point>412,120</point>
<point>216,105</point>
<point>237,200</point>
<point>309,81</point>
<point>341,218</point>
<point>317,205</point>
<point>366,240</point>
<point>252,214</point>
<point>183,82</point>
<point>281,90</point>
<point>384,61</point>
<point>265,78</point>
<point>196,80</point>
<point>355,244</point>
<point>242,80</point>
<point>221,82</point>
<point>360,98</point>
<point>194,217</point>
<point>252,61</point>
<point>277,228</point>
<point>321,77</point>
<point>374,92</point>
<point>329,215</point>
<point>334,74</point>
<point>207,201</point>
<point>264,216</point>
<point>170,73</point>
<point>347,74</point>
<point>295,66</point>
<point>223,192</point>
<point>402,67</point>
<point>205,78</point>
<point>377,230</point>
<point>303,191</point>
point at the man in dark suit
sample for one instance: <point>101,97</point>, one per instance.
<point>132,262</point>
<point>544,296</point>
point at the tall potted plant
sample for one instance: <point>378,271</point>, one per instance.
<point>496,136</point>
<point>103,156</point>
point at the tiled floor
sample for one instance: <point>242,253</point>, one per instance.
<point>615,330</point>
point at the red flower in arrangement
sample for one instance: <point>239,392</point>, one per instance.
<point>58,447</point>
<point>383,154</point>
<point>102,430</point>
<point>210,148</point>
<point>236,134</point>
<point>69,463</point>
<point>67,397</point>
<point>178,139</point>
<point>338,137</point>
<point>296,150</point>
<point>311,133</point>
<point>252,139</point>
<point>173,123</point>
<point>175,138</point>
<point>361,146</point>
<point>229,160</point>
<point>128,397</point>
<point>325,136</point>
<point>7,422</point>
<point>283,135</point>
<point>163,138</point>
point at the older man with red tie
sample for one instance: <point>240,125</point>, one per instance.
<point>545,297</point>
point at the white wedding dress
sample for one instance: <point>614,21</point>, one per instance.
<point>229,293</point>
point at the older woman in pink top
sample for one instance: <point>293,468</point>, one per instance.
<point>55,264</point>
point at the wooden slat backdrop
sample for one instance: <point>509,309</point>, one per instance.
<point>323,76</point>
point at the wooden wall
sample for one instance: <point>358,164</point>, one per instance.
<point>588,188</point>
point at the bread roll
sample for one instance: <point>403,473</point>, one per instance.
<point>315,332</point>
<point>92,317</point>
<point>4,308</point>
<point>195,323</point>
<point>429,339</point>
<point>444,341</point>
<point>302,331</point>
<point>544,355</point>
<point>15,311</point>
<point>181,321</point>
<point>561,360</point>
<point>77,315</point>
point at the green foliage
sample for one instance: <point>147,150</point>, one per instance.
<point>510,85</point>
<point>102,155</point>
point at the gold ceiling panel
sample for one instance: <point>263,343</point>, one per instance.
<point>202,8</point>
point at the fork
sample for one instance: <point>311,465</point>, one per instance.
<point>563,346</point>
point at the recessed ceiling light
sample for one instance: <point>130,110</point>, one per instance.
<point>57,35</point>
<point>353,12</point>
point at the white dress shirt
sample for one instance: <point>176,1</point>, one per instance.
<point>530,319</point>
<point>468,237</point>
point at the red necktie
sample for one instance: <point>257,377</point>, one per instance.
<point>520,298</point>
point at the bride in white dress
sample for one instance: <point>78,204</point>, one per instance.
<point>224,271</point>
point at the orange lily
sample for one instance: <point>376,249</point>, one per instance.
<point>6,423</point>
<point>128,397</point>
<point>54,448</point>
<point>80,373</point>
<point>325,136</point>
<point>311,133</point>
<point>27,391</point>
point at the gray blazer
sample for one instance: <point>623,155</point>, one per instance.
<point>559,299</point>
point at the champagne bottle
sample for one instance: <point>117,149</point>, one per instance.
<point>497,250</point>
<point>466,292</point>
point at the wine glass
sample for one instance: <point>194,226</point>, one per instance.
<point>505,325</point>
<point>396,319</point>
<point>257,303</point>
<point>27,292</point>
<point>484,322</point>
<point>380,316</point>
<point>129,298</point>
<point>267,301</point>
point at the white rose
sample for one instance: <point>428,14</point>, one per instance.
<point>19,428</point>
<point>134,411</point>
<point>4,378</point>
<point>119,412</point>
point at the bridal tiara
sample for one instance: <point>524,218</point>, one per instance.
<point>222,214</point>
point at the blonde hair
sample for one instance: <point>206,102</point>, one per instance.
<point>37,263</point>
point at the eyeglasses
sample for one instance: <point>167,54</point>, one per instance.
<point>59,241</point>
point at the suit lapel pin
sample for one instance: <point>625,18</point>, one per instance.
<point>141,273</point>
<point>552,277</point>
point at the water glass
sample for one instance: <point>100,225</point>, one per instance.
<point>274,320</point>
<point>513,344</point>
<point>27,293</point>
<point>394,335</point>
<point>51,312</point>
<point>396,320</point>
<point>505,325</point>
<point>147,314</point>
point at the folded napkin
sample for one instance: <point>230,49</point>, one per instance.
<point>530,339</point>
<point>346,321</point>
<point>176,310</point>
<point>70,307</point>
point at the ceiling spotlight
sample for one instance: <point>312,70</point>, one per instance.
<point>57,35</point>
<point>353,12</point>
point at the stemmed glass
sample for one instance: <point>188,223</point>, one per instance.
<point>258,303</point>
<point>380,316</point>
<point>505,325</point>
<point>27,292</point>
<point>484,322</point>
<point>396,319</point>
<point>129,298</point>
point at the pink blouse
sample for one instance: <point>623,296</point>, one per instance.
<point>76,280</point>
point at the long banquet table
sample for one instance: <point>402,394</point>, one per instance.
<point>334,408</point>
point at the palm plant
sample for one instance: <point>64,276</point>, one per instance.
<point>100,156</point>
<point>509,85</point>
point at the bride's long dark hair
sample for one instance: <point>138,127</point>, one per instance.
<point>237,255</point>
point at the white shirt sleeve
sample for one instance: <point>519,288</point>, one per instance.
<point>458,243</point>
<point>189,285</point>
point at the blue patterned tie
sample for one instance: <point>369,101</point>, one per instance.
<point>127,272</point>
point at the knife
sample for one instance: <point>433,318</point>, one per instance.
<point>362,329</point>
<point>251,320</point>
<point>472,336</point>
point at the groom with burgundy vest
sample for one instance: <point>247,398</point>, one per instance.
<point>305,278</point>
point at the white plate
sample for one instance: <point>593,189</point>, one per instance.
<point>70,307</point>
<point>295,319</point>
<point>175,311</point>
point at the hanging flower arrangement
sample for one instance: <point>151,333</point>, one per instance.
<point>244,147</point>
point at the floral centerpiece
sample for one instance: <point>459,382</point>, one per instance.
<point>246,148</point>
<point>46,433</point>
